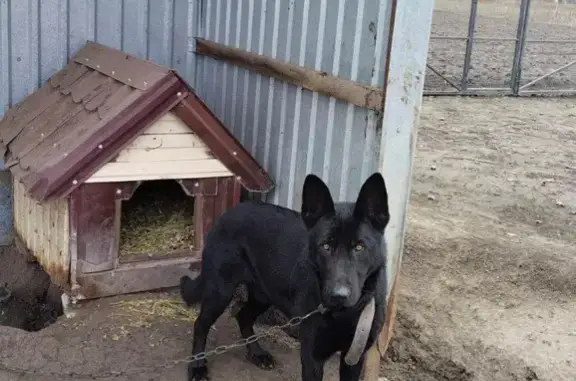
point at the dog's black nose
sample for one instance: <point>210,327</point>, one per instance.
<point>339,296</point>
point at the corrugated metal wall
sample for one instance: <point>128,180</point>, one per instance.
<point>38,37</point>
<point>289,130</point>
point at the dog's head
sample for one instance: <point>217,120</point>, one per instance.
<point>346,239</point>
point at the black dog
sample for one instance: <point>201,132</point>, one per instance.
<point>332,254</point>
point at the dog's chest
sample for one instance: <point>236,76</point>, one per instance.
<point>336,334</point>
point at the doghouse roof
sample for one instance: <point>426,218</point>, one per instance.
<point>89,111</point>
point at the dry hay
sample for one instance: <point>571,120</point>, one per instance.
<point>158,219</point>
<point>143,313</point>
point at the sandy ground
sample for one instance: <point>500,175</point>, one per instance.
<point>488,286</point>
<point>492,60</point>
<point>489,275</point>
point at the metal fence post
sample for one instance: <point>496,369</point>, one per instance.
<point>516,74</point>
<point>469,45</point>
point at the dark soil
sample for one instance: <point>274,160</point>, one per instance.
<point>28,300</point>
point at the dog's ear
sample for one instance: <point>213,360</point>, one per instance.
<point>316,200</point>
<point>372,202</point>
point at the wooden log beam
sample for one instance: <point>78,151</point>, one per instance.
<point>358,94</point>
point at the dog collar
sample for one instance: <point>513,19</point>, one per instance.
<point>361,334</point>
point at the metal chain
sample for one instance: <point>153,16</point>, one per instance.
<point>294,322</point>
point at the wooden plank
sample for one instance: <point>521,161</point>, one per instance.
<point>170,117</point>
<point>152,177</point>
<point>223,144</point>
<point>168,124</point>
<point>205,198</point>
<point>223,195</point>
<point>43,229</point>
<point>358,94</point>
<point>137,277</point>
<point>386,333</point>
<point>371,369</point>
<point>377,351</point>
<point>160,170</point>
<point>236,193</point>
<point>95,215</point>
<point>140,155</point>
<point>167,141</point>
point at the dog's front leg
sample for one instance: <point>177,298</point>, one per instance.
<point>310,354</point>
<point>312,367</point>
<point>351,372</point>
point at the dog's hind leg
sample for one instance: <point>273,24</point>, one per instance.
<point>246,318</point>
<point>215,300</point>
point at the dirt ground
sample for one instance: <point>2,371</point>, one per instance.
<point>491,61</point>
<point>34,302</point>
<point>488,284</point>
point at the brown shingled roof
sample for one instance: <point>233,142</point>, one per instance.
<point>89,111</point>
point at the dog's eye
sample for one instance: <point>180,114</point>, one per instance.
<point>326,247</point>
<point>359,247</point>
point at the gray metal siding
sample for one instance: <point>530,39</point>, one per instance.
<point>289,130</point>
<point>38,37</point>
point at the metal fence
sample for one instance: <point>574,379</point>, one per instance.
<point>533,59</point>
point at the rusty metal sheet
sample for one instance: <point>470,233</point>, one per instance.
<point>223,144</point>
<point>123,67</point>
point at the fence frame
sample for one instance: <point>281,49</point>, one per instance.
<point>515,88</point>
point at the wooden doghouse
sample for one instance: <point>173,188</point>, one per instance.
<point>97,131</point>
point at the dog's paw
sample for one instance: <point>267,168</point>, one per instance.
<point>262,360</point>
<point>198,373</point>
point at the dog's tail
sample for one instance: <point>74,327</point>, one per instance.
<point>191,289</point>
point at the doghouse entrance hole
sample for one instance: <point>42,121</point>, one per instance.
<point>158,220</point>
